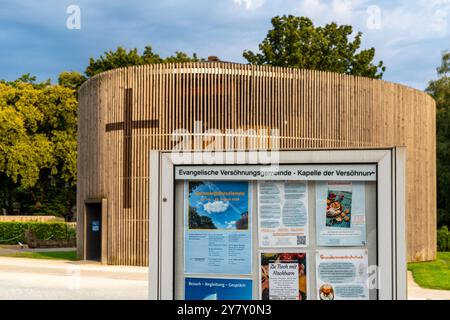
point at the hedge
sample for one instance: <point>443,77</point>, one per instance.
<point>443,239</point>
<point>13,232</point>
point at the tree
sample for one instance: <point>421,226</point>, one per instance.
<point>71,79</point>
<point>37,144</point>
<point>296,42</point>
<point>440,90</point>
<point>197,221</point>
<point>123,58</point>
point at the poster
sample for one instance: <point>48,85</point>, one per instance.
<point>283,276</point>
<point>218,237</point>
<point>283,214</point>
<point>340,214</point>
<point>342,275</point>
<point>217,289</point>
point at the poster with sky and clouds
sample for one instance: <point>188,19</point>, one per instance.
<point>217,236</point>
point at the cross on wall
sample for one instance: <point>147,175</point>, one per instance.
<point>127,127</point>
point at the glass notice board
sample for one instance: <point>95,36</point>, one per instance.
<point>301,232</point>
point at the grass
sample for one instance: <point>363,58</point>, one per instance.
<point>55,255</point>
<point>434,274</point>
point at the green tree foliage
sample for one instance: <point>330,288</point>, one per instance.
<point>440,90</point>
<point>37,144</point>
<point>124,58</point>
<point>242,223</point>
<point>71,79</point>
<point>197,221</point>
<point>296,42</point>
<point>443,239</point>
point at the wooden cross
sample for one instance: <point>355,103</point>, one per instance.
<point>127,126</point>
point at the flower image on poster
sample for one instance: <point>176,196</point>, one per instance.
<point>283,214</point>
<point>342,274</point>
<point>217,228</point>
<point>340,213</point>
<point>218,289</point>
<point>283,276</point>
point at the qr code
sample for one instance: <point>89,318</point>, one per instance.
<point>301,240</point>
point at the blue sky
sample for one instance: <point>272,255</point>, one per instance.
<point>409,35</point>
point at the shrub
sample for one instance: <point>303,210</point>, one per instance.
<point>443,239</point>
<point>13,232</point>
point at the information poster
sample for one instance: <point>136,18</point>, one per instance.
<point>283,214</point>
<point>342,275</point>
<point>340,214</point>
<point>217,289</point>
<point>218,237</point>
<point>283,276</point>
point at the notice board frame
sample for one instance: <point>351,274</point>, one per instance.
<point>391,244</point>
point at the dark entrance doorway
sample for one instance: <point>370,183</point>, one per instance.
<point>93,231</point>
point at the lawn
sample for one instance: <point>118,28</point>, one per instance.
<point>434,274</point>
<point>55,255</point>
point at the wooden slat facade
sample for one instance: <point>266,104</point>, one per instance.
<point>125,113</point>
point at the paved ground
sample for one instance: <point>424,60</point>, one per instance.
<point>415,292</point>
<point>22,278</point>
<point>58,279</point>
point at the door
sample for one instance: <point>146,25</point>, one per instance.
<point>93,231</point>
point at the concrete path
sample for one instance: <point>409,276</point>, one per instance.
<point>22,278</point>
<point>416,292</point>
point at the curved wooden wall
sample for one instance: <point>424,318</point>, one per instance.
<point>126,112</point>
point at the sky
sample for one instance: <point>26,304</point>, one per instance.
<point>47,37</point>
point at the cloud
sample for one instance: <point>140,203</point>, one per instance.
<point>413,20</point>
<point>250,4</point>
<point>34,37</point>
<point>410,39</point>
<point>216,206</point>
<point>230,224</point>
<point>421,21</point>
<point>341,11</point>
<point>407,35</point>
